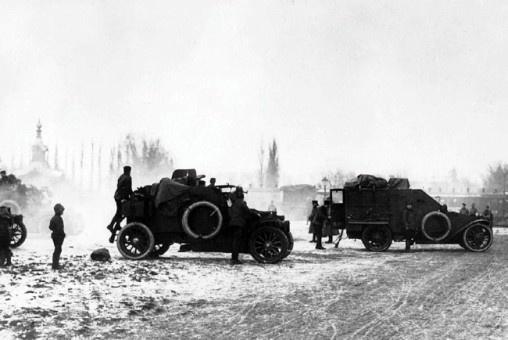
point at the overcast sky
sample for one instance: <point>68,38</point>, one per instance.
<point>388,87</point>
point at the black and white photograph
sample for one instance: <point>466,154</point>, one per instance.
<point>253,169</point>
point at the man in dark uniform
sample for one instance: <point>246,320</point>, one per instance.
<point>313,213</point>
<point>318,224</point>
<point>238,213</point>
<point>487,213</point>
<point>56,225</point>
<point>409,220</point>
<point>464,210</point>
<point>123,192</point>
<point>212,183</point>
<point>3,177</point>
<point>5,236</point>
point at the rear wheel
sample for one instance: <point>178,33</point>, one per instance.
<point>18,235</point>
<point>268,245</point>
<point>135,241</point>
<point>377,237</point>
<point>477,237</point>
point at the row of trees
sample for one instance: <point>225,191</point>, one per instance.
<point>497,178</point>
<point>148,157</point>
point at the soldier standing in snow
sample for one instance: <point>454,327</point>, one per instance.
<point>56,225</point>
<point>318,223</point>
<point>239,213</point>
<point>408,218</point>
<point>313,213</point>
<point>5,236</point>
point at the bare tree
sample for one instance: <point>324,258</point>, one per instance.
<point>272,170</point>
<point>261,160</point>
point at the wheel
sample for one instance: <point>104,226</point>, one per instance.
<point>159,249</point>
<point>377,237</point>
<point>202,220</point>
<point>268,245</point>
<point>291,243</point>
<point>18,235</point>
<point>135,241</point>
<point>436,226</point>
<point>477,237</point>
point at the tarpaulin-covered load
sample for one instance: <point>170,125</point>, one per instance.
<point>367,181</point>
<point>167,190</point>
<point>398,183</point>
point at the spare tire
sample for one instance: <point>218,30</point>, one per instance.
<point>436,226</point>
<point>202,220</point>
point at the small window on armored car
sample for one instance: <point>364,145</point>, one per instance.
<point>337,197</point>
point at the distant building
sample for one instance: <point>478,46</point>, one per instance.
<point>39,150</point>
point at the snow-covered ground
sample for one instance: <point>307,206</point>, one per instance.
<point>434,291</point>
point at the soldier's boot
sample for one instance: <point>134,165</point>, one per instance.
<point>408,245</point>
<point>2,261</point>
<point>112,237</point>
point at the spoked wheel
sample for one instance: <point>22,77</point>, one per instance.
<point>377,238</point>
<point>477,237</point>
<point>18,235</point>
<point>159,249</point>
<point>291,243</point>
<point>268,245</point>
<point>135,241</point>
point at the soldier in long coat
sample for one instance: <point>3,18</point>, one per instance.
<point>239,213</point>
<point>5,236</point>
<point>313,213</point>
<point>318,223</point>
<point>409,220</point>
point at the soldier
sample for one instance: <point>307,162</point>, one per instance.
<point>487,213</point>
<point>409,220</point>
<point>464,210</point>
<point>212,183</point>
<point>272,208</point>
<point>3,177</point>
<point>5,237</point>
<point>313,213</point>
<point>56,225</point>
<point>319,223</point>
<point>239,213</point>
<point>122,193</point>
<point>473,211</point>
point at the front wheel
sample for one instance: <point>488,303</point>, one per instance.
<point>18,235</point>
<point>159,249</point>
<point>477,237</point>
<point>268,245</point>
<point>377,237</point>
<point>135,241</point>
<point>291,243</point>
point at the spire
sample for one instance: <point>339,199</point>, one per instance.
<point>39,129</point>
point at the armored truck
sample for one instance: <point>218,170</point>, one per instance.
<point>180,210</point>
<point>372,209</point>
